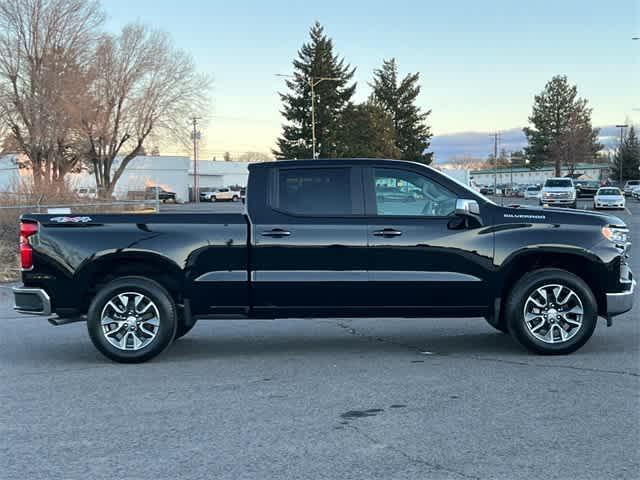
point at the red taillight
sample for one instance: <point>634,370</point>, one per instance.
<point>26,252</point>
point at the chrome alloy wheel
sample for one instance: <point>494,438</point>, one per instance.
<point>553,313</point>
<point>130,321</point>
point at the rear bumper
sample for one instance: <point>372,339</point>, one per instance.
<point>32,301</point>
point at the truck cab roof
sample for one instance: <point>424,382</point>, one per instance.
<point>332,161</point>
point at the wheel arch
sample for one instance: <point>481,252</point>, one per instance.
<point>108,267</point>
<point>586,266</point>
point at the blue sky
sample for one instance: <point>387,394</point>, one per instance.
<point>481,63</point>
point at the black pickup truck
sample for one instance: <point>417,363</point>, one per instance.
<point>329,238</point>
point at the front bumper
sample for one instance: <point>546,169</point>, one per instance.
<point>32,301</point>
<point>557,201</point>
<point>621,302</point>
<point>609,204</point>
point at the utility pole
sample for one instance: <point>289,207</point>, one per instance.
<point>511,170</point>
<point>195,137</point>
<point>496,137</point>
<point>620,159</point>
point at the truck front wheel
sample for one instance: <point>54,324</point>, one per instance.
<point>551,311</point>
<point>132,319</point>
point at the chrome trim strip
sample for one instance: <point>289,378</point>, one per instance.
<point>419,276</point>
<point>38,292</point>
<point>359,276</point>
<point>309,276</point>
<point>224,276</point>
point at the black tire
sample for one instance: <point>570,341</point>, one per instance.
<point>515,304</point>
<point>235,198</point>
<point>182,329</point>
<point>166,314</point>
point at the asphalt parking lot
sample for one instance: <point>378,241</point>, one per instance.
<point>322,399</point>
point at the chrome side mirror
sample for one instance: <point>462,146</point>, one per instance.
<point>467,207</point>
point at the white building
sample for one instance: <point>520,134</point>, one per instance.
<point>528,176</point>
<point>216,174</point>
<point>9,172</point>
<point>172,173</point>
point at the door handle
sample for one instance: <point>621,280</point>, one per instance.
<point>276,233</point>
<point>387,232</point>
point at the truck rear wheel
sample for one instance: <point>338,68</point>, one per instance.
<point>132,319</point>
<point>551,311</point>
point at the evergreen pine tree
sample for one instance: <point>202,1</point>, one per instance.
<point>398,98</point>
<point>628,155</point>
<point>316,60</point>
<point>367,132</point>
<point>561,128</point>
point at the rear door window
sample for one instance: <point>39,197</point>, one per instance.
<point>313,191</point>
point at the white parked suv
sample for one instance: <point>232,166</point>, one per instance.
<point>222,195</point>
<point>558,192</point>
<point>608,197</point>
<point>630,185</point>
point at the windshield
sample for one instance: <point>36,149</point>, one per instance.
<point>609,191</point>
<point>533,189</point>
<point>633,183</point>
<point>558,182</point>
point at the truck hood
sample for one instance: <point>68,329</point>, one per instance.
<point>519,214</point>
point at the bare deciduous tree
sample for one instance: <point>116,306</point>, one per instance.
<point>141,85</point>
<point>577,143</point>
<point>45,47</point>
<point>255,157</point>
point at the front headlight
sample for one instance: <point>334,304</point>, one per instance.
<point>619,236</point>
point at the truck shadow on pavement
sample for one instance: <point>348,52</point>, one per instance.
<point>200,346</point>
<point>215,341</point>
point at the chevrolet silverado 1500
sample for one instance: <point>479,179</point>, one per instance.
<point>329,238</point>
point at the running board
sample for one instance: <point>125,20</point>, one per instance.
<point>57,321</point>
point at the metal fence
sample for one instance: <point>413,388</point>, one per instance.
<point>93,207</point>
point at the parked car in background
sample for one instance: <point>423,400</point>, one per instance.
<point>629,185</point>
<point>532,191</point>
<point>222,195</point>
<point>558,192</point>
<point>586,188</point>
<point>635,192</point>
<point>160,193</point>
<point>486,190</point>
<point>202,193</point>
<point>518,190</point>
<point>86,192</point>
<point>608,197</point>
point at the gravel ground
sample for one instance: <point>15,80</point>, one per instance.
<point>324,399</point>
